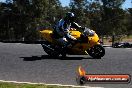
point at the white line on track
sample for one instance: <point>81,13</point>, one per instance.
<point>49,84</point>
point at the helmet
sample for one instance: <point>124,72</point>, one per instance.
<point>70,16</point>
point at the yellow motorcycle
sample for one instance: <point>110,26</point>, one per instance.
<point>89,44</point>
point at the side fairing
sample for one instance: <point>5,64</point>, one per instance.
<point>93,40</point>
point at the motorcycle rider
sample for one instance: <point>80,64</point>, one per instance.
<point>62,28</point>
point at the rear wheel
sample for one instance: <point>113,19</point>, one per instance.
<point>97,51</point>
<point>50,51</point>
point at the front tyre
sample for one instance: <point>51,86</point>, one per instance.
<point>96,51</point>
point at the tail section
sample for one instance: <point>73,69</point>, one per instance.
<point>47,34</point>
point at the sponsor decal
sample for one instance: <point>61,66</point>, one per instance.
<point>83,78</point>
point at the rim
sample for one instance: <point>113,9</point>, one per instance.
<point>51,53</point>
<point>97,51</point>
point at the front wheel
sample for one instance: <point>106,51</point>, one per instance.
<point>96,51</point>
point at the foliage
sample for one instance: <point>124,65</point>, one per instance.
<point>22,19</point>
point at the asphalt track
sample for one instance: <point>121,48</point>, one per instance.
<point>29,63</point>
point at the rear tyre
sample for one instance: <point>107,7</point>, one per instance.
<point>64,52</point>
<point>97,51</point>
<point>52,53</point>
<point>63,55</point>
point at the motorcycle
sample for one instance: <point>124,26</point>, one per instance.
<point>89,44</point>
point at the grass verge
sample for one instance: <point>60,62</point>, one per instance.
<point>25,85</point>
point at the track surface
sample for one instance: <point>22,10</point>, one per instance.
<point>28,62</point>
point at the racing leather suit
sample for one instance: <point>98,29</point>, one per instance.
<point>63,33</point>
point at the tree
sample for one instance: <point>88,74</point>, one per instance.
<point>22,18</point>
<point>78,7</point>
<point>94,12</point>
<point>112,15</point>
<point>5,20</point>
<point>128,21</point>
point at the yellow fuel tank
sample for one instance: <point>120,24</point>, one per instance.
<point>75,33</point>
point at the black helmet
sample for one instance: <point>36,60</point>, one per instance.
<point>69,16</point>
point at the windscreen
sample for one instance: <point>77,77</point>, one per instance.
<point>88,32</point>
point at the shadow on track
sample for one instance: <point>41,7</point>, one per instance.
<point>34,58</point>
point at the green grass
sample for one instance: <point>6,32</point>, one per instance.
<point>130,36</point>
<point>16,85</point>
